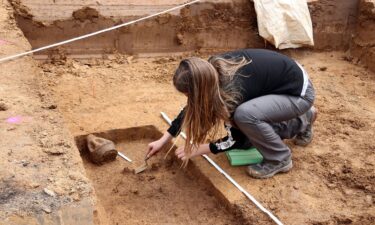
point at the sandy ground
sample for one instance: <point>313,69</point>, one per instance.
<point>36,149</point>
<point>41,171</point>
<point>333,178</point>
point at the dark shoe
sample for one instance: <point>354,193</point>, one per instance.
<point>304,138</point>
<point>268,169</point>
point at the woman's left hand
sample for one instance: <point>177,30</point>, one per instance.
<point>202,149</point>
<point>180,153</point>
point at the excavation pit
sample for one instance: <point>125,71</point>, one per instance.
<point>163,194</point>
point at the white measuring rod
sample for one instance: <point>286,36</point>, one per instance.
<point>124,156</point>
<point>97,32</point>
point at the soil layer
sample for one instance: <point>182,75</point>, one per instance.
<point>363,47</point>
<point>204,26</point>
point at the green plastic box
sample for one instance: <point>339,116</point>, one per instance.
<point>242,157</point>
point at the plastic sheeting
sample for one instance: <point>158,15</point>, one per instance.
<point>285,23</point>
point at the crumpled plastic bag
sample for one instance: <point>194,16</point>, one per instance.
<point>285,23</point>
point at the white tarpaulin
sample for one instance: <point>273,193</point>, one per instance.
<point>284,23</point>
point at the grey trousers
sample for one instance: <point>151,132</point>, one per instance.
<point>269,119</point>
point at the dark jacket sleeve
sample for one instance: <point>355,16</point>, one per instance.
<point>235,140</point>
<point>175,128</point>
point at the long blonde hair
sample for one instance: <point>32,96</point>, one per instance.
<point>211,96</point>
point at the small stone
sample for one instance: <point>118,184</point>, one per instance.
<point>111,57</point>
<point>3,107</point>
<point>272,207</point>
<point>80,187</point>
<point>141,178</point>
<point>25,162</point>
<point>331,185</point>
<point>72,191</point>
<point>295,187</point>
<point>346,169</point>
<point>150,178</point>
<point>52,106</point>
<point>43,143</point>
<point>348,192</point>
<point>180,39</point>
<point>127,170</point>
<point>47,70</point>
<point>130,59</point>
<point>59,191</point>
<point>46,209</point>
<point>54,151</point>
<point>34,185</point>
<point>369,199</point>
<point>76,197</point>
<point>11,128</point>
<point>115,66</point>
<point>72,177</point>
<point>49,192</point>
<point>323,68</point>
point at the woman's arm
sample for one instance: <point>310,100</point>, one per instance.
<point>234,140</point>
<point>173,131</point>
<point>202,149</point>
<point>175,127</point>
<point>156,146</point>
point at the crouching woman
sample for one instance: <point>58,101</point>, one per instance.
<point>261,96</point>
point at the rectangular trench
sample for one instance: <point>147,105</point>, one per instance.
<point>163,194</point>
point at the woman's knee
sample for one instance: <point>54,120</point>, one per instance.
<point>244,115</point>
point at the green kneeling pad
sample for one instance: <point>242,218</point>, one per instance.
<point>242,157</point>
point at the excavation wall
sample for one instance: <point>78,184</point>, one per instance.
<point>206,26</point>
<point>364,42</point>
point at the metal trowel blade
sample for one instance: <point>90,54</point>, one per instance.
<point>141,168</point>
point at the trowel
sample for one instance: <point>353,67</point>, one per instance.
<point>142,167</point>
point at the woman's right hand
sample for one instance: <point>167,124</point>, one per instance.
<point>154,147</point>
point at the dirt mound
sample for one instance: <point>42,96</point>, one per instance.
<point>86,13</point>
<point>20,9</point>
